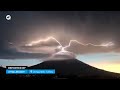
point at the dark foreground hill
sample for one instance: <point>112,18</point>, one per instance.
<point>67,69</point>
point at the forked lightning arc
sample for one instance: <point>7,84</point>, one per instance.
<point>69,44</point>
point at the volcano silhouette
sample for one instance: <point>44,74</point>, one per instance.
<point>75,69</point>
<point>65,69</point>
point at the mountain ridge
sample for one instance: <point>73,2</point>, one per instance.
<point>64,69</point>
<point>74,67</point>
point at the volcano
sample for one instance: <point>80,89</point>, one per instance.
<point>64,69</point>
<point>75,69</point>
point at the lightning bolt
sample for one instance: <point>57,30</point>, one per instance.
<point>43,40</point>
<point>103,44</point>
<point>64,47</point>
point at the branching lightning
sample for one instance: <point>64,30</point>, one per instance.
<point>103,45</point>
<point>43,40</point>
<point>64,47</point>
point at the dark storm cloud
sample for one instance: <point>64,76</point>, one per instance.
<point>85,26</point>
<point>14,54</point>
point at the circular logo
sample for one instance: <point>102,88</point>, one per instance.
<point>8,17</point>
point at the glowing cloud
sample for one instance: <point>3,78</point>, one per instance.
<point>43,40</point>
<point>62,48</point>
<point>103,45</point>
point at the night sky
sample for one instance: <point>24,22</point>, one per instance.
<point>84,26</point>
